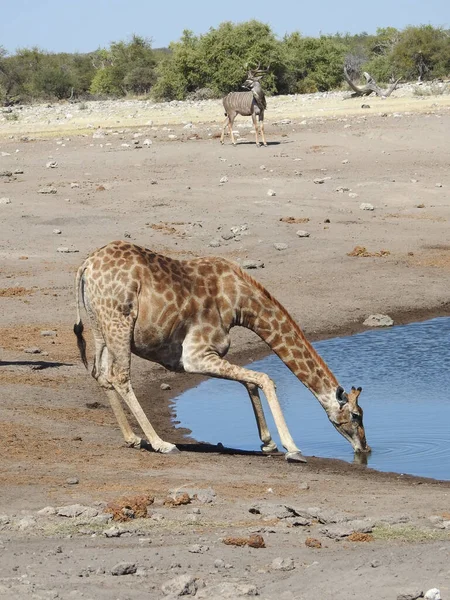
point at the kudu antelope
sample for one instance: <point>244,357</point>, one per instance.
<point>251,103</point>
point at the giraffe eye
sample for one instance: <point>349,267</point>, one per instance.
<point>356,417</point>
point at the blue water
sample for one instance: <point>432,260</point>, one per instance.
<point>405,375</point>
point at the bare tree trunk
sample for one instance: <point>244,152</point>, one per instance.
<point>370,87</point>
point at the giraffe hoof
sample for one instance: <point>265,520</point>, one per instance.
<point>168,449</point>
<point>268,448</point>
<point>295,457</point>
<point>136,442</point>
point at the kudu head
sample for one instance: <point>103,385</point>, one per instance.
<point>254,77</point>
<point>347,416</point>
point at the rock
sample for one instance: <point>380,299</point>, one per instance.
<point>378,320</point>
<point>51,164</point>
<point>98,134</point>
<point>74,185</point>
<point>165,386</point>
<point>271,193</point>
<point>313,543</point>
<point>76,510</point>
<point>66,250</point>
<point>223,179</point>
<point>5,201</point>
<point>263,167</point>
<point>172,136</point>
<point>352,195</point>
<point>113,532</point>
<point>102,519</point>
<point>198,549</point>
<point>439,185</point>
<point>375,564</point>
<point>184,585</point>
<point>433,594</point>
<point>366,206</point>
<point>282,564</point>
<point>47,190</point>
<point>345,161</point>
<point>5,173</point>
<point>228,590</point>
<point>274,511</point>
<point>214,244</point>
<point>342,189</point>
<point>124,568</point>
<point>365,105</point>
<point>32,350</point>
<point>147,142</point>
<point>72,481</point>
<point>227,236</point>
<point>410,595</point>
<point>303,234</point>
<point>280,246</point>
<point>252,264</point>
<point>203,495</point>
<point>48,333</point>
<point>47,511</point>
<point>319,180</point>
<point>4,520</point>
<point>57,231</point>
<point>26,523</point>
<point>219,563</point>
<point>341,531</point>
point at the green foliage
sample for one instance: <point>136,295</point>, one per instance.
<point>215,63</point>
<point>126,68</point>
<point>218,60</point>
<point>311,64</point>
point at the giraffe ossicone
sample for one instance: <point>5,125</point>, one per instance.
<point>179,313</point>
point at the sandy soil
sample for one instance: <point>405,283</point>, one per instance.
<point>55,422</point>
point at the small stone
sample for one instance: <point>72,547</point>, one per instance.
<point>413,180</point>
<point>352,195</point>
<point>26,523</point>
<point>32,350</point>
<point>18,172</point>
<point>100,519</point>
<point>98,135</point>
<point>219,563</point>
<point>66,250</point>
<point>378,320</point>
<point>253,264</point>
<point>72,481</point>
<point>365,105</point>
<point>366,206</point>
<point>302,234</point>
<point>342,189</point>
<point>345,161</point>
<point>52,164</point>
<point>271,193</point>
<point>214,244</point>
<point>77,510</point>
<point>375,564</point>
<point>48,511</point>
<point>5,201</point>
<point>263,167</point>
<point>172,136</point>
<point>48,333</point>
<point>410,595</point>
<point>4,520</point>
<point>223,179</point>
<point>47,190</point>
<point>5,173</point>
<point>184,585</point>
<point>57,231</point>
<point>165,386</point>
<point>280,246</point>
<point>283,564</point>
<point>124,568</point>
<point>439,185</point>
<point>74,185</point>
<point>433,594</point>
<point>147,142</point>
<point>319,180</point>
<point>112,532</point>
<point>198,549</point>
<point>227,236</point>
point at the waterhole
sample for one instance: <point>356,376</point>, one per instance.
<point>405,375</point>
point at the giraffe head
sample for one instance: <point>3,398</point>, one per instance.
<point>347,417</point>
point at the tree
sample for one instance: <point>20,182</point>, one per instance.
<point>422,52</point>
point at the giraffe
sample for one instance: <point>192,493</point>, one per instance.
<point>179,313</point>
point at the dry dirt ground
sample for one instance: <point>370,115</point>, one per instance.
<point>55,423</point>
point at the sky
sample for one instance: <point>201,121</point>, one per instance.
<point>85,25</point>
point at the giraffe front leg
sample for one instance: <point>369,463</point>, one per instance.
<point>211,364</point>
<point>268,445</point>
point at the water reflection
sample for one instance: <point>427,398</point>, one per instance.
<point>404,372</point>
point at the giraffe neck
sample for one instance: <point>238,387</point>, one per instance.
<point>264,315</point>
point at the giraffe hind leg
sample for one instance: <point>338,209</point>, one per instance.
<point>268,445</point>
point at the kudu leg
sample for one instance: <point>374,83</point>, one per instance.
<point>255,125</point>
<point>223,130</point>
<point>261,125</point>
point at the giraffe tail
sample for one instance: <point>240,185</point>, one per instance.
<point>78,327</point>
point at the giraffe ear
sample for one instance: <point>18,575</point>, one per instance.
<point>341,396</point>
